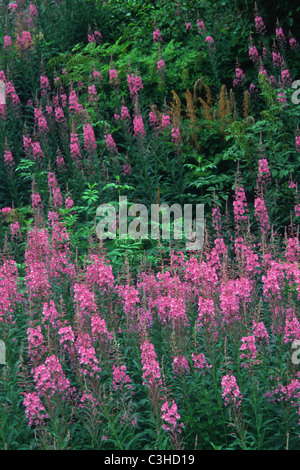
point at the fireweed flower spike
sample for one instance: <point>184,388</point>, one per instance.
<point>231,392</point>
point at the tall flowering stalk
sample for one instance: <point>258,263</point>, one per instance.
<point>233,401</point>
<point>170,418</point>
<point>151,377</point>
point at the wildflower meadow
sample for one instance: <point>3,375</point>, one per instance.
<point>114,340</point>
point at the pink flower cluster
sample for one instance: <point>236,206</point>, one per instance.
<point>90,144</point>
<point>120,378</point>
<point>171,417</point>
<point>138,126</point>
<point>231,392</point>
<point>49,377</point>
<point>262,214</point>
<point>180,365</point>
<point>151,370</point>
<point>249,346</point>
<point>157,36</point>
<point>134,83</point>
<point>240,205</point>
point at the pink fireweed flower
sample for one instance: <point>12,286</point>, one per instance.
<point>282,98</point>
<point>134,84</point>
<point>54,190</point>
<point>292,328</point>
<point>120,378</point>
<point>262,70</point>
<point>292,250</point>
<point>209,40</point>
<point>292,184</point>
<point>99,328</point>
<point>50,314</point>
<point>253,54</point>
<point>66,335</point>
<point>200,362</point>
<point>151,371</point>
<point>234,293</point>
<point>5,211</point>
<point>7,42</point>
<point>34,409</point>
<point>97,75</point>
<point>37,151</point>
<point>24,41</point>
<point>87,356</point>
<point>249,346</point>
<point>99,274</point>
<point>95,37</point>
<point>89,138</point>
<point>69,203</point>
<point>206,315</point>
<point>42,124</point>
<point>2,109</point>
<point>273,281</point>
<point>84,299</point>
<point>50,378</point>
<point>180,365</point>
<point>63,100</point>
<point>36,344</point>
<point>11,93</point>
<point>161,67</point>
<point>171,417</point>
<point>260,331</point>
<point>285,77</point>
<point>113,77</point>
<point>138,126</point>
<point>259,25</point>
<point>279,33</point>
<point>153,119</point>
<point>33,10</point>
<point>125,114</point>
<point>126,170</point>
<point>59,115</point>
<point>274,82</point>
<point>172,310</point>
<point>45,85</point>
<point>130,296</point>
<point>188,26</point>
<point>36,201</point>
<point>252,89</point>
<point>37,279</point>
<point>157,36</point>
<point>8,159</point>
<point>293,43</point>
<point>15,230</point>
<point>239,77</point>
<point>201,26</point>
<point>74,106</point>
<point>88,397</point>
<point>110,143</point>
<point>93,95</point>
<point>240,205</point>
<point>165,120</point>
<point>263,170</point>
<point>75,146</point>
<point>176,137</point>
<point>231,392</point>
<point>277,59</point>
<point>261,214</point>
